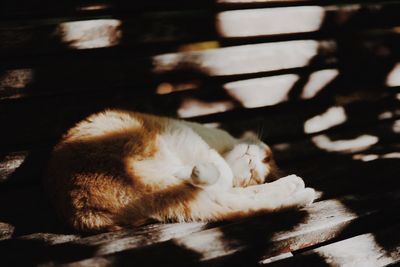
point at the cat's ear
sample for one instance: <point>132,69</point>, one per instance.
<point>249,136</point>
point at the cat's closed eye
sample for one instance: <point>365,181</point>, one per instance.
<point>267,159</point>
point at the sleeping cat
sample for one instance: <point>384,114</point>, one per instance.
<point>119,168</point>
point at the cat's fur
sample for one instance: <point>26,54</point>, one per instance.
<point>122,168</point>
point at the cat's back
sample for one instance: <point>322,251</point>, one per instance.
<point>106,137</point>
<point>89,164</point>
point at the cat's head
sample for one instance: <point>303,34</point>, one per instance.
<point>251,161</point>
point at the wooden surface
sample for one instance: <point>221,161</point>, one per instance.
<point>360,250</point>
<point>319,81</point>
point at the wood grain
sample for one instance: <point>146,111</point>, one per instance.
<point>362,250</point>
<point>357,60</point>
<point>256,237</point>
<point>63,34</point>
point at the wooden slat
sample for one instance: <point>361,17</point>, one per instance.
<point>301,19</point>
<point>112,242</point>
<point>334,175</point>
<point>324,176</point>
<point>23,9</point>
<point>362,60</point>
<point>24,167</point>
<point>48,36</point>
<point>69,247</point>
<point>45,119</point>
<point>299,150</point>
<point>245,59</point>
<point>256,238</point>
<point>268,57</point>
<point>362,250</point>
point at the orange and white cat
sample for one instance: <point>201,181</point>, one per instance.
<point>119,168</point>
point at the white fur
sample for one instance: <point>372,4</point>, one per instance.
<point>186,152</point>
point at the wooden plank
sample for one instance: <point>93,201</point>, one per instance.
<point>244,59</point>
<point>288,153</point>
<point>275,56</point>
<point>55,35</point>
<point>116,70</point>
<point>69,247</point>
<point>254,239</point>
<point>317,169</point>
<point>301,19</point>
<point>49,36</point>
<point>336,175</point>
<point>323,175</point>
<point>112,242</point>
<point>242,3</point>
<point>362,250</point>
<point>49,238</point>
<point>45,119</point>
<point>24,167</point>
<point>22,9</point>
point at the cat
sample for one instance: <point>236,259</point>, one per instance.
<point>118,168</point>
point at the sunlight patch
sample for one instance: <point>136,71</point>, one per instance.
<point>262,91</point>
<point>167,88</point>
<point>396,126</point>
<point>386,115</point>
<point>353,145</point>
<point>192,107</point>
<point>242,59</point>
<point>332,117</point>
<point>270,21</point>
<point>94,7</point>
<point>208,244</point>
<point>318,81</point>
<point>17,79</point>
<point>7,231</point>
<point>91,33</point>
<point>212,125</point>
<point>281,146</point>
<point>361,250</point>
<point>393,79</point>
<point>372,157</point>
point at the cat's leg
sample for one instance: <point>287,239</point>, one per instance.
<point>288,192</point>
<point>202,174</point>
<point>211,169</point>
<point>213,204</point>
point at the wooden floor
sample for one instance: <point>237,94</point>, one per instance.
<point>354,222</point>
<point>281,68</point>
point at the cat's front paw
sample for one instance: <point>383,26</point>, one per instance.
<point>205,174</point>
<point>287,192</point>
<point>298,195</point>
<point>291,183</point>
<point>302,198</point>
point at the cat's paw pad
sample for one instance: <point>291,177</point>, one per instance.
<point>205,174</point>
